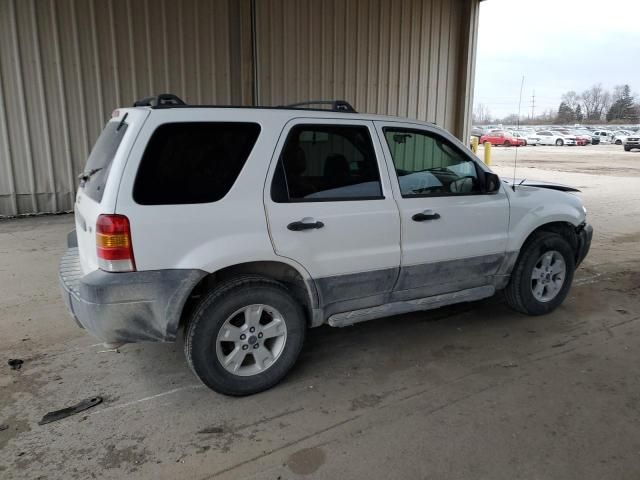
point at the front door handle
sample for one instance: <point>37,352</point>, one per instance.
<point>306,223</point>
<point>426,215</point>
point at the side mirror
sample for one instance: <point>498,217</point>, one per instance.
<point>491,182</point>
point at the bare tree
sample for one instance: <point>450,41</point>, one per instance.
<point>572,99</point>
<point>595,100</point>
<point>481,114</point>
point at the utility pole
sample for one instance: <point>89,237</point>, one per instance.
<point>533,104</point>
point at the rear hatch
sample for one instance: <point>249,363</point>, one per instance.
<point>99,182</point>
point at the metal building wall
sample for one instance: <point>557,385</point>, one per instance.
<point>66,64</point>
<point>412,58</point>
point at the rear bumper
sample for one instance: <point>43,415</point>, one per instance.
<point>585,234</point>
<point>126,307</point>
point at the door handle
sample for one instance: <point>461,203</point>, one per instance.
<point>426,215</point>
<point>304,224</point>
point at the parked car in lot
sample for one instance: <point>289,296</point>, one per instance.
<point>502,137</point>
<point>580,140</point>
<point>588,135</point>
<point>604,135</point>
<point>632,141</point>
<point>618,136</point>
<point>528,138</point>
<point>548,137</point>
<point>244,227</point>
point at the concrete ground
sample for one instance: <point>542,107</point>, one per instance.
<point>467,392</point>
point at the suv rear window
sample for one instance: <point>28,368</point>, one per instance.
<point>193,162</point>
<point>100,159</point>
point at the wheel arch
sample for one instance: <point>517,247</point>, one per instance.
<point>301,286</point>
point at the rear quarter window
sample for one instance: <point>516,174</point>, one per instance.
<point>193,162</point>
<point>100,159</point>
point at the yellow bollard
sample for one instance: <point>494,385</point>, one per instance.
<point>474,144</point>
<point>487,154</point>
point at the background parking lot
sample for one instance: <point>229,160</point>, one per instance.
<point>471,391</point>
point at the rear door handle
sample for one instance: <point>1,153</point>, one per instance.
<point>426,215</point>
<point>306,223</point>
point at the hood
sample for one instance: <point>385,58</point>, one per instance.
<point>540,184</point>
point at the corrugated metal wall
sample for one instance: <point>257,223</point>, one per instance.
<point>66,64</point>
<point>399,57</point>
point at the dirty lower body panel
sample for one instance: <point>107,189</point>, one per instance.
<point>126,307</point>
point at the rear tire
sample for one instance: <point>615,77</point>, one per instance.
<point>221,324</point>
<point>507,143</point>
<point>618,142</point>
<point>534,288</point>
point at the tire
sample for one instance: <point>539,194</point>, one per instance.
<point>228,302</point>
<point>520,290</point>
<point>618,142</point>
<point>627,148</point>
<point>507,144</point>
<point>559,142</point>
<point>485,142</point>
<point>524,143</point>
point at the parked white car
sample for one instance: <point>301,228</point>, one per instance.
<point>530,138</point>
<point>619,136</point>
<point>548,137</point>
<point>605,136</point>
<point>243,227</point>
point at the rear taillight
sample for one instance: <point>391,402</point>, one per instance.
<point>113,242</point>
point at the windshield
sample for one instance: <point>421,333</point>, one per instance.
<point>95,175</point>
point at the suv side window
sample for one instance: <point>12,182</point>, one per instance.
<point>327,163</point>
<point>429,165</point>
<point>193,162</point>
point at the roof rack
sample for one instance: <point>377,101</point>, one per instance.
<point>162,100</point>
<point>336,105</point>
<point>169,100</point>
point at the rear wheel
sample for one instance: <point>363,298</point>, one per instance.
<point>507,143</point>
<point>245,336</point>
<point>542,277</point>
<point>618,142</point>
<point>559,142</point>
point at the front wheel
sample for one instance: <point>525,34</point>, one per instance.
<point>559,142</point>
<point>542,277</point>
<point>245,336</point>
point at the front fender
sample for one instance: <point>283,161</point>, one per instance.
<point>532,207</point>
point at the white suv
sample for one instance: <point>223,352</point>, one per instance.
<point>246,226</point>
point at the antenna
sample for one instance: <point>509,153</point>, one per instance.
<point>515,161</point>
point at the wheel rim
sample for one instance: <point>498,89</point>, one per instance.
<point>548,276</point>
<point>251,340</point>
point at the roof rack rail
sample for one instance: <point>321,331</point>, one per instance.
<point>162,100</point>
<point>336,105</point>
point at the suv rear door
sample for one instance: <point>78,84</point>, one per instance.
<point>331,209</point>
<point>99,181</point>
<point>454,235</point>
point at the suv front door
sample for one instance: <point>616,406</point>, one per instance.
<point>331,209</point>
<point>454,234</point>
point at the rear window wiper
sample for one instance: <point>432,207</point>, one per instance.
<point>84,176</point>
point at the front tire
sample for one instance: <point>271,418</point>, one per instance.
<point>245,336</point>
<point>559,142</point>
<point>542,276</point>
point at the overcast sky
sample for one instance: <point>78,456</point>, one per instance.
<point>558,45</point>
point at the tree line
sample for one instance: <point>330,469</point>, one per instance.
<point>594,105</point>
